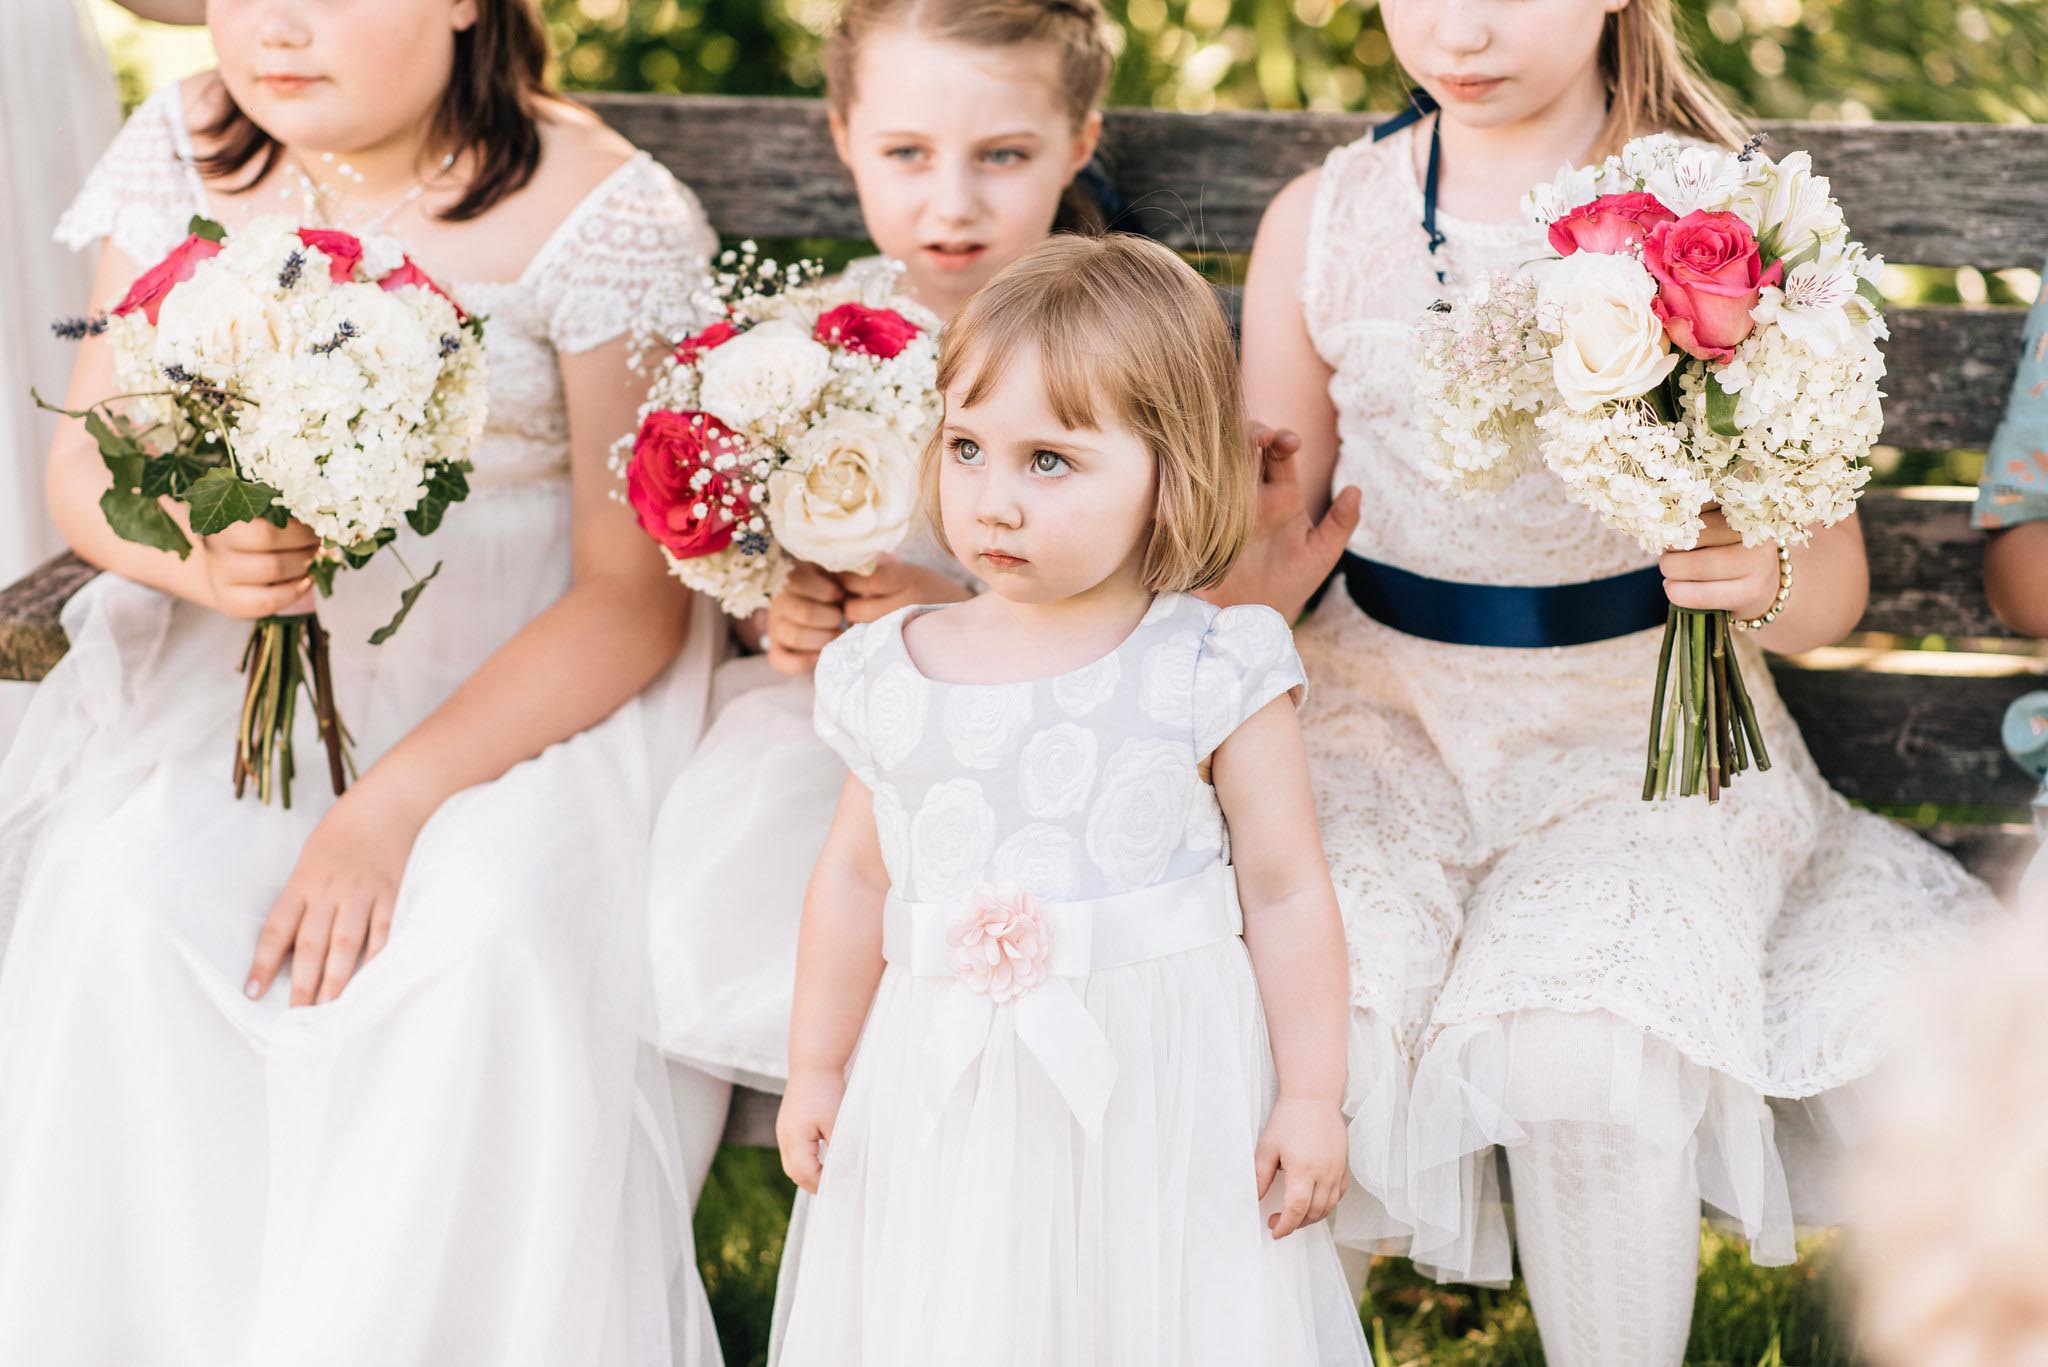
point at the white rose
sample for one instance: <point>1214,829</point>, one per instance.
<point>981,724</point>
<point>1140,814</point>
<point>848,493</point>
<point>897,700</point>
<point>950,839</point>
<point>1089,687</point>
<point>1056,771</point>
<point>762,376</point>
<point>1167,677</point>
<point>1044,860</point>
<point>1612,345</point>
<point>213,323</point>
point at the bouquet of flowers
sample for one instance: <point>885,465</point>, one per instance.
<point>1706,334</point>
<point>288,373</point>
<point>788,429</point>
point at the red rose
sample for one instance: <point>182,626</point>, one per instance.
<point>718,334</point>
<point>408,273</point>
<point>871,332</point>
<point>688,515</point>
<point>149,289</point>
<point>1610,224</point>
<point>344,251</point>
<point>1708,277</point>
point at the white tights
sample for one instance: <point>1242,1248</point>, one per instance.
<point>1607,1228</point>
<point>701,1102</point>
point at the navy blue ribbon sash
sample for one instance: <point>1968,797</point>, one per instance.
<point>1502,614</point>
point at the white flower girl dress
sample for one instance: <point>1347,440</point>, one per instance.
<point>468,1156</point>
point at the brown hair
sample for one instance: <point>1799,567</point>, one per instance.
<point>498,76</point>
<point>1120,321</point>
<point>1075,28</point>
<point>1653,85</point>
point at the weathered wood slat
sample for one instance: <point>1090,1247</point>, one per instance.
<point>765,168</point>
<point>31,637</point>
<point>1947,371</point>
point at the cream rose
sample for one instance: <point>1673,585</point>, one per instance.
<point>214,323</point>
<point>761,376</point>
<point>848,493</point>
<point>1613,345</point>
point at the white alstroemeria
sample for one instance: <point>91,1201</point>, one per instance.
<point>1819,307</point>
<point>1562,193</point>
<point>1696,178</point>
<point>1647,156</point>
<point>1790,208</point>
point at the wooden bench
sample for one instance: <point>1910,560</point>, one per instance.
<point>1903,728</point>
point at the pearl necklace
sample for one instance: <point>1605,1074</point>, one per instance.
<point>313,196</point>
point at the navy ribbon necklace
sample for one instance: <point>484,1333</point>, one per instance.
<point>1421,104</point>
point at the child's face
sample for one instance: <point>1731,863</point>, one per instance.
<point>1495,63</point>
<point>1038,512</point>
<point>960,155</point>
<point>337,75</point>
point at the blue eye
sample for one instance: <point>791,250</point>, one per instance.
<point>964,451</point>
<point>1049,463</point>
<point>1008,156</point>
<point>903,153</point>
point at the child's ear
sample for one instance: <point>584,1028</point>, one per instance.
<point>462,15</point>
<point>1086,138</point>
<point>837,122</point>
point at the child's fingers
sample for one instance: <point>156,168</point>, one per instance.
<point>803,612</point>
<point>380,929</point>
<point>1334,531</point>
<point>344,946</point>
<point>1265,1163</point>
<point>1293,1214</point>
<point>309,951</point>
<point>785,661</point>
<point>1709,562</point>
<point>280,927</point>
<point>803,639</point>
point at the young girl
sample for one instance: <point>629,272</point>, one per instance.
<point>428,1138</point>
<point>959,172</point>
<point>1054,1143</point>
<point>1647,1006</point>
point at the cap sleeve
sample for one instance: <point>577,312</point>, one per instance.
<point>840,709</point>
<point>2015,484</point>
<point>1247,659</point>
<point>140,194</point>
<point>633,255</point>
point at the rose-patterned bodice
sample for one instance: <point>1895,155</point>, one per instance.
<point>1077,786</point>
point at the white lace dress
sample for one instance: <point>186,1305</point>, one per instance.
<point>1727,965</point>
<point>1065,1177</point>
<point>467,1157</point>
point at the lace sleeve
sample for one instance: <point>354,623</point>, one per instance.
<point>631,257</point>
<point>139,196</point>
<point>1247,660</point>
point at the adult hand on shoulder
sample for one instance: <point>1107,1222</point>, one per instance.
<point>334,914</point>
<point>1722,573</point>
<point>896,584</point>
<point>256,570</point>
<point>1291,553</point>
<point>803,618</point>
<point>810,1105</point>
<point>1304,1145</point>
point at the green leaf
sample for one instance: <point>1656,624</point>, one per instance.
<point>124,459</point>
<point>220,498</point>
<point>322,572</point>
<point>446,483</point>
<point>361,553</point>
<point>49,407</point>
<point>202,226</point>
<point>405,602</point>
<point>1869,290</point>
<point>172,473</point>
<point>139,518</point>
<point>1721,409</point>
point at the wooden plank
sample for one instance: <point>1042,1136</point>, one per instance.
<point>1947,372</point>
<point>765,168</point>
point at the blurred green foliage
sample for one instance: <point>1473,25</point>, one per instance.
<point>1824,59</point>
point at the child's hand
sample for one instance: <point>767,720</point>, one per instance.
<point>1722,573</point>
<point>896,584</point>
<point>256,570</point>
<point>1304,1140</point>
<point>810,1103</point>
<point>1290,553</point>
<point>805,617</point>
<point>337,905</point>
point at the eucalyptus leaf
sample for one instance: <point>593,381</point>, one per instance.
<point>141,519</point>
<point>220,498</point>
<point>405,602</point>
<point>1721,410</point>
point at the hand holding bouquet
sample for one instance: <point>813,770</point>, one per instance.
<point>789,429</point>
<point>286,373</point>
<point>1706,335</point>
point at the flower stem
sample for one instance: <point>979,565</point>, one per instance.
<point>1652,767</point>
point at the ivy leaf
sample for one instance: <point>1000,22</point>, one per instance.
<point>322,572</point>
<point>220,498</point>
<point>140,518</point>
<point>446,483</point>
<point>202,226</point>
<point>360,554</point>
<point>124,459</point>
<point>1721,410</point>
<point>405,602</point>
<point>172,473</point>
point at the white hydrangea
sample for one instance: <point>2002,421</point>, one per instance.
<point>1485,371</point>
<point>1632,468</point>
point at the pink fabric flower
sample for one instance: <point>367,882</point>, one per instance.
<point>1709,276</point>
<point>1003,947</point>
<point>1610,224</point>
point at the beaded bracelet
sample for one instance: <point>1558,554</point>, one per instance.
<point>1777,604</point>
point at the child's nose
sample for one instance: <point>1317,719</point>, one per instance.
<point>1461,27</point>
<point>958,201</point>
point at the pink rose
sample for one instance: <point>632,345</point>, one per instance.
<point>151,287</point>
<point>409,273</point>
<point>1003,948</point>
<point>881,333</point>
<point>1709,277</point>
<point>690,516</point>
<point>1610,224</point>
<point>694,346</point>
<point>344,251</point>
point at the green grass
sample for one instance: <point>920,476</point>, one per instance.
<point>1746,1316</point>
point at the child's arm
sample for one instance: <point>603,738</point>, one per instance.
<point>1830,582</point>
<point>838,964</point>
<point>2016,577</point>
<point>1296,939</point>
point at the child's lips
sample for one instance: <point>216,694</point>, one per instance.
<point>1003,560</point>
<point>1470,87</point>
<point>954,255</point>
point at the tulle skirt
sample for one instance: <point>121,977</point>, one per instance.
<point>1001,1233</point>
<point>469,1156</point>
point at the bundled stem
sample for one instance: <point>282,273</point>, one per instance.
<point>284,656</point>
<point>1703,726</point>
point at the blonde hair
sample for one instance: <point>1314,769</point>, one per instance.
<point>1076,28</point>
<point>1653,84</point>
<point>1122,323</point>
